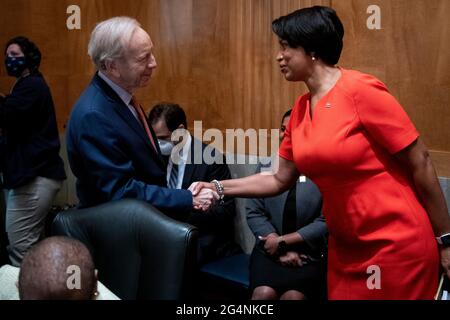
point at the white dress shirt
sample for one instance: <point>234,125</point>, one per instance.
<point>122,93</point>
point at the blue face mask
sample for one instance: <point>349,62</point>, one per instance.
<point>15,66</point>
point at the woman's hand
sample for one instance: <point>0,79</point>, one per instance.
<point>204,199</point>
<point>445,260</point>
<point>270,243</point>
<point>293,259</point>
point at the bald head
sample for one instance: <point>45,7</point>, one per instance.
<point>57,268</point>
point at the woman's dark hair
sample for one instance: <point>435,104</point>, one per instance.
<point>287,114</point>
<point>172,114</point>
<point>30,50</point>
<point>318,30</point>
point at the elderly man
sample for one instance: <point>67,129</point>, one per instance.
<point>112,149</point>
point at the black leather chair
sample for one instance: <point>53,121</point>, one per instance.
<point>139,252</point>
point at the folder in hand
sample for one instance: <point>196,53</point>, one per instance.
<point>443,292</point>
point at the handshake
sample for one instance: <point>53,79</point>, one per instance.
<point>205,194</point>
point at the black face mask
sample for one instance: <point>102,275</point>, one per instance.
<point>15,66</point>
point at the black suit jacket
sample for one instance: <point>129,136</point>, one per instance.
<point>216,228</point>
<point>29,140</point>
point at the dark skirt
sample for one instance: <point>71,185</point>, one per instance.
<point>310,279</point>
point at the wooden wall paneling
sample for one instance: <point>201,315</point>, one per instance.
<point>217,58</point>
<point>420,67</point>
<point>411,54</point>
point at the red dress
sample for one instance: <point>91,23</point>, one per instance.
<point>375,219</point>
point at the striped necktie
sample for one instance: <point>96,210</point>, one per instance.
<point>173,179</point>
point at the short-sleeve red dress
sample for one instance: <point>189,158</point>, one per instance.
<point>381,243</point>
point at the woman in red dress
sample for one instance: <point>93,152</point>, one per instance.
<point>382,200</point>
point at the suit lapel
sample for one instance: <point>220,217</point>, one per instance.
<point>189,168</point>
<point>123,111</point>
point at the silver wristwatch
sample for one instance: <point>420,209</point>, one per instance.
<point>444,240</point>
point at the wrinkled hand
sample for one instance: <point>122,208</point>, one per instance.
<point>270,243</point>
<point>204,199</point>
<point>293,259</point>
<point>445,260</point>
<point>196,187</point>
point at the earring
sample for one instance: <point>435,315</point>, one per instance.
<point>313,58</point>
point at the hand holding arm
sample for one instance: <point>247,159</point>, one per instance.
<point>293,259</point>
<point>270,243</point>
<point>272,240</point>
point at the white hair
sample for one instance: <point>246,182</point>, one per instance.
<point>110,38</point>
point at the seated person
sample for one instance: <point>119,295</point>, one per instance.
<point>49,271</point>
<point>288,261</point>
<point>216,227</point>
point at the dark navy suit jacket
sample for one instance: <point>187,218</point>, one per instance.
<point>112,157</point>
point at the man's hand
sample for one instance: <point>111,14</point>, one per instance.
<point>445,260</point>
<point>197,187</point>
<point>204,199</point>
<point>293,259</point>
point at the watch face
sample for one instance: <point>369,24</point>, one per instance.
<point>446,240</point>
<point>282,247</point>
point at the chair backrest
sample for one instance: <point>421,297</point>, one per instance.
<point>140,253</point>
<point>243,166</point>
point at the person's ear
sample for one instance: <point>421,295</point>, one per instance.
<point>95,293</point>
<point>111,68</point>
